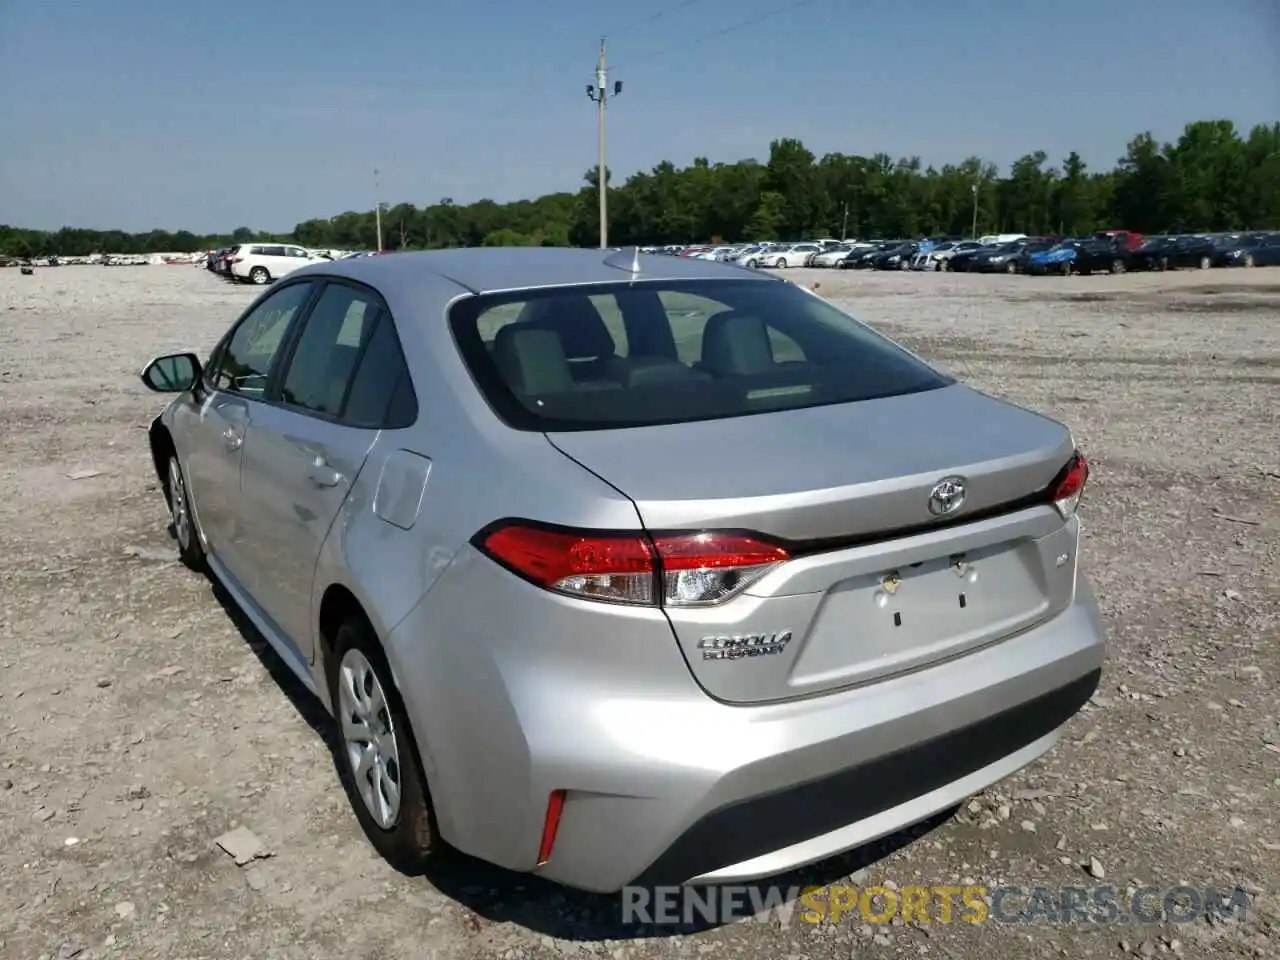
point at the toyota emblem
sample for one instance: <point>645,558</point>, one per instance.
<point>947,496</point>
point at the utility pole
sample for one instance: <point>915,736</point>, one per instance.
<point>844,224</point>
<point>599,93</point>
<point>377,209</point>
<point>974,188</point>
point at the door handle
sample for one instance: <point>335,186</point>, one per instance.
<point>233,438</point>
<point>323,475</point>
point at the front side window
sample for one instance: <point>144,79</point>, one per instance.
<point>652,353</point>
<point>252,348</point>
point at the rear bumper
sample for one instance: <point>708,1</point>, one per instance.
<point>665,785</point>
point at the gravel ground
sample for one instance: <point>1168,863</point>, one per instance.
<point>142,718</point>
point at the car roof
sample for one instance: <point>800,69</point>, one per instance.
<point>493,269</point>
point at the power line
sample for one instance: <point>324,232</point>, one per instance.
<point>643,21</point>
<point>724,31</point>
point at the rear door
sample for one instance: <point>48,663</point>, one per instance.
<point>306,448</point>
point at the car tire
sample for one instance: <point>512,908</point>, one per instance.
<point>181,519</point>
<point>1117,266</point>
<point>1011,266</point>
<point>259,276</point>
<point>373,728</point>
<point>753,264</point>
<point>1247,260</point>
<point>1205,263</point>
<point>781,263</point>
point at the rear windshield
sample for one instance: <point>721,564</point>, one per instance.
<point>647,353</point>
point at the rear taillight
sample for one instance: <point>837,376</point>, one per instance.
<point>1068,486</point>
<point>676,570</point>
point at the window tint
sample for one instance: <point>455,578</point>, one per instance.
<point>546,359</point>
<point>327,351</point>
<point>382,394</point>
<point>249,353</point>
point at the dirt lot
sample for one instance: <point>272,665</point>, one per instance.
<point>142,719</point>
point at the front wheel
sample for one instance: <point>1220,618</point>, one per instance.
<point>1011,266</point>
<point>1248,260</point>
<point>1205,263</point>
<point>181,519</point>
<point>1117,266</point>
<point>782,263</point>
<point>378,762</point>
<point>259,275</point>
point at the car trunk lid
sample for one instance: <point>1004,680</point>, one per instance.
<point>878,583</point>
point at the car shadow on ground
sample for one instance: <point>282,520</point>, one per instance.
<point>496,895</point>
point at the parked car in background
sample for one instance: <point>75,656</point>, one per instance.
<point>962,261</point>
<point>863,259</point>
<point>1121,239</point>
<point>831,257</point>
<point>1060,258</point>
<point>942,255</point>
<point>1010,257</point>
<point>1254,251</point>
<point>630,660</point>
<point>261,263</point>
<point>794,255</point>
<point>1154,253</point>
<point>896,258</point>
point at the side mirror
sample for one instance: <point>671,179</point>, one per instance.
<point>174,373</point>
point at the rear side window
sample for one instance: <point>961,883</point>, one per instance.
<point>328,349</point>
<point>382,394</point>
<point>650,353</point>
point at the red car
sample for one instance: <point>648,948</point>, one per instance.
<point>1125,239</point>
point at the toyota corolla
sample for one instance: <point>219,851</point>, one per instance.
<point>620,568</point>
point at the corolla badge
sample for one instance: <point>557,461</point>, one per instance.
<point>947,496</point>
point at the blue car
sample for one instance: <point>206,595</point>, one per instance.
<point>1057,259</point>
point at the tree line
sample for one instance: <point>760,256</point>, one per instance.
<point>1211,178</point>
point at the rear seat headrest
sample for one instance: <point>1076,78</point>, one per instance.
<point>736,343</point>
<point>531,361</point>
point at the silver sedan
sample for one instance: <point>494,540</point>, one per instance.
<point>623,568</point>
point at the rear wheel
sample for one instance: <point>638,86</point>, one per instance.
<point>259,275</point>
<point>1205,263</point>
<point>378,762</point>
<point>1117,266</point>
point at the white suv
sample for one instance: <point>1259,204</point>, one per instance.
<point>263,262</point>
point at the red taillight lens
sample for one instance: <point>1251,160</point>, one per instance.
<point>597,566</point>
<point>672,570</point>
<point>1069,486</point>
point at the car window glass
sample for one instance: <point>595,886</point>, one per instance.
<point>733,348</point>
<point>327,350</point>
<point>252,348</point>
<point>381,392</point>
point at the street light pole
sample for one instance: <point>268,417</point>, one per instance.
<point>599,93</point>
<point>377,209</point>
<point>974,188</point>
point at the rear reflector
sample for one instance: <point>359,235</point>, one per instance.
<point>693,569</point>
<point>1069,485</point>
<point>550,824</point>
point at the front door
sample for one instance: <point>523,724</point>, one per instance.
<point>234,389</point>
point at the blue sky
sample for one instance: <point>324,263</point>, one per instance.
<point>155,113</point>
